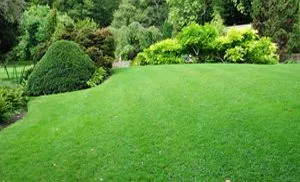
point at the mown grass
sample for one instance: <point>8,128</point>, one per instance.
<point>163,123</point>
<point>14,75</point>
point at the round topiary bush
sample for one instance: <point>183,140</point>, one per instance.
<point>64,67</point>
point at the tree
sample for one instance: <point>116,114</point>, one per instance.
<point>294,42</point>
<point>40,26</point>
<point>132,39</point>
<point>97,43</point>
<point>277,19</point>
<point>235,12</point>
<point>10,14</point>
<point>146,12</point>
<point>183,12</point>
<point>197,40</point>
<point>99,10</point>
<point>103,10</point>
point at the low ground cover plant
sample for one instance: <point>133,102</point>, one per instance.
<point>12,100</point>
<point>98,77</point>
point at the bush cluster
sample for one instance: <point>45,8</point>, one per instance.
<point>134,38</point>
<point>98,77</point>
<point>11,100</point>
<point>98,43</point>
<point>207,44</point>
<point>164,52</point>
<point>245,46</point>
<point>43,26</point>
<point>64,67</point>
<point>198,40</point>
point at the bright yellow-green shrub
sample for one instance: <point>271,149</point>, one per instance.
<point>165,52</point>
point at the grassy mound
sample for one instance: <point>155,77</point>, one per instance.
<point>163,123</point>
<point>65,67</point>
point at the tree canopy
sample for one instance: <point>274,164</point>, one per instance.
<point>278,19</point>
<point>10,15</point>
<point>146,12</point>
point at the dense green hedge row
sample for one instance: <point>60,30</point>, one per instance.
<point>196,43</point>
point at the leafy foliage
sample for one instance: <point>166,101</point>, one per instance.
<point>98,77</point>
<point>262,51</point>
<point>25,76</point>
<point>294,41</point>
<point>244,46</point>
<point>132,39</point>
<point>10,15</point>
<point>204,44</point>
<point>165,52</point>
<point>5,106</point>
<point>11,10</point>
<point>278,19</point>
<point>198,40</point>
<point>183,12</point>
<point>99,10</point>
<point>235,55</point>
<point>146,12</point>
<point>99,44</point>
<point>11,100</point>
<point>41,26</point>
<point>233,38</point>
<point>64,67</point>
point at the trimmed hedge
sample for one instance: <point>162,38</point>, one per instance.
<point>64,67</point>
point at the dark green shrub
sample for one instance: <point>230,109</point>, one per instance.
<point>278,20</point>
<point>292,62</point>
<point>99,44</point>
<point>64,67</point>
<point>98,77</point>
<point>102,48</point>
<point>164,52</point>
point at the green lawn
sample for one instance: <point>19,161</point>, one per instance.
<point>3,75</point>
<point>163,123</point>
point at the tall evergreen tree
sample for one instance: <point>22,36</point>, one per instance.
<point>10,14</point>
<point>276,19</point>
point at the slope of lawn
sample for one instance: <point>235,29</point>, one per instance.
<point>163,123</point>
